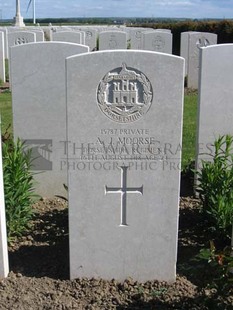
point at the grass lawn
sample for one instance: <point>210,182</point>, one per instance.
<point>6,112</point>
<point>189,123</point>
<point>189,129</point>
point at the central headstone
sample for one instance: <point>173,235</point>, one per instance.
<point>124,116</point>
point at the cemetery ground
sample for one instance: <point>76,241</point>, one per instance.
<point>39,261</point>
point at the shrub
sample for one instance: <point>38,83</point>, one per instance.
<point>220,265</point>
<point>215,185</point>
<point>18,187</point>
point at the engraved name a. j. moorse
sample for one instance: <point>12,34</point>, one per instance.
<point>124,94</point>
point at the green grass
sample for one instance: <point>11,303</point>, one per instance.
<point>6,112</point>
<point>189,129</point>
<point>189,123</point>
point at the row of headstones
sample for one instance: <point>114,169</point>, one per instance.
<point>111,123</point>
<point>154,40</point>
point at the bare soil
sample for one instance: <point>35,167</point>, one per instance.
<point>39,277</point>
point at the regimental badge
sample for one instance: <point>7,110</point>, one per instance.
<point>124,94</point>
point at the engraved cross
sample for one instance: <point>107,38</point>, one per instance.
<point>123,190</point>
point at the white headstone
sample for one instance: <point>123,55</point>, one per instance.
<point>2,58</point>
<point>112,40</point>
<point>124,132</point>
<point>163,30</point>
<point>90,38</point>
<point>39,35</point>
<point>20,37</point>
<point>184,48</point>
<point>39,112</point>
<point>136,38</point>
<point>157,41</point>
<point>5,31</point>
<point>196,40</point>
<point>67,36</point>
<point>215,98</point>
<point>4,264</point>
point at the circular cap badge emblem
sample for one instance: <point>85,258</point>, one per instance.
<point>124,94</point>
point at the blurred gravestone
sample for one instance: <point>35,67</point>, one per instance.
<point>215,98</point>
<point>2,58</point>
<point>67,36</point>
<point>191,42</point>
<point>157,41</point>
<point>112,40</point>
<point>20,38</point>
<point>39,108</point>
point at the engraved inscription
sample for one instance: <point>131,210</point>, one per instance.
<point>158,43</point>
<point>202,42</point>
<point>88,34</point>
<point>123,190</point>
<point>138,35</point>
<point>20,41</point>
<point>124,95</point>
<point>112,41</point>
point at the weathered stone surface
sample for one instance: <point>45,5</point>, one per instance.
<point>215,99</point>
<point>124,135</point>
<point>39,108</point>
<point>112,40</point>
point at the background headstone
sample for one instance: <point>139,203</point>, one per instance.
<point>121,116</point>
<point>215,98</point>
<point>39,35</point>
<point>90,38</point>
<point>196,40</point>
<point>4,264</point>
<point>112,40</point>
<point>163,30</point>
<point>2,58</point>
<point>20,38</point>
<point>157,41</point>
<point>39,112</point>
<point>67,36</point>
<point>184,48</point>
<point>5,31</point>
<point>136,38</point>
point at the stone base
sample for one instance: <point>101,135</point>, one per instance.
<point>18,21</point>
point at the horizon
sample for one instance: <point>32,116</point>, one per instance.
<point>120,18</point>
<point>176,9</point>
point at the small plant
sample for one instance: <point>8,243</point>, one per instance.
<point>6,91</point>
<point>159,292</point>
<point>221,265</point>
<point>215,186</point>
<point>6,136</point>
<point>18,187</point>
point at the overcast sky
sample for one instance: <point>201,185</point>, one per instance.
<point>121,8</point>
